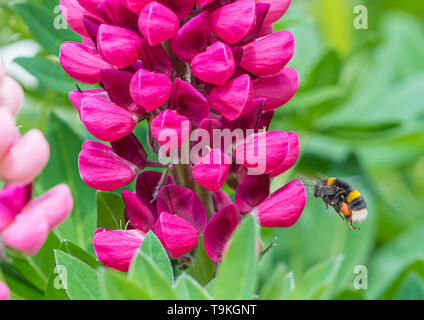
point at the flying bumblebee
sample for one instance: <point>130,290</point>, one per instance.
<point>349,204</point>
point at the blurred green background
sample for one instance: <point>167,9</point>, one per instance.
<point>360,116</point>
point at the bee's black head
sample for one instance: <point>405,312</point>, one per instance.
<point>319,189</point>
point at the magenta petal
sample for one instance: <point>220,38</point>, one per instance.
<point>116,122</point>
<point>176,234</point>
<point>89,5</point>
<point>219,230</point>
<point>268,55</point>
<point>157,23</point>
<point>277,9</point>
<point>4,292</point>
<point>261,11</point>
<point>212,170</point>
<point>291,157</point>
<point>215,65</point>
<point>202,3</point>
<point>155,58</point>
<point>116,248</point>
<point>118,46</point>
<point>136,5</point>
<point>8,131</point>
<point>249,120</point>
<point>73,14</point>
<point>184,203</point>
<point>146,185</point>
<point>139,215</point>
<point>104,170</point>
<point>252,191</point>
<point>265,120</point>
<point>282,209</point>
<point>150,89</point>
<point>262,152</point>
<point>130,148</point>
<point>82,63</point>
<point>13,198</point>
<point>233,21</point>
<point>189,102</point>
<point>181,8</point>
<point>192,38</point>
<point>76,96</point>
<point>114,12</point>
<point>233,99</point>
<point>95,145</point>
<point>220,200</point>
<point>170,129</point>
<point>277,89</point>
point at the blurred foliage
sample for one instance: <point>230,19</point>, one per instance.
<point>360,115</point>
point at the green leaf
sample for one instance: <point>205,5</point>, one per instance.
<point>152,247</point>
<point>187,288</point>
<point>349,294</point>
<point>82,281</point>
<point>236,277</point>
<point>115,286</point>
<point>203,267</point>
<point>145,273</point>
<point>412,288</point>
<point>79,253</point>
<point>110,211</point>
<point>47,27</point>
<point>279,285</point>
<point>48,72</point>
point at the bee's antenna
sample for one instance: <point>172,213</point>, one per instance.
<point>78,88</point>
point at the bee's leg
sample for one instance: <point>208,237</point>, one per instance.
<point>349,223</point>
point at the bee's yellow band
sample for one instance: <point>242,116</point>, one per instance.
<point>353,195</point>
<point>330,181</point>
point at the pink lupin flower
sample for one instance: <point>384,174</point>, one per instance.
<point>141,216</point>
<point>150,89</point>
<point>277,9</point>
<point>155,58</point>
<point>8,132</point>
<point>76,96</point>
<point>202,3</point>
<point>215,65</point>
<point>282,208</point>
<point>4,291</point>
<point>11,95</point>
<point>252,190</point>
<point>157,23</point>
<point>291,157</point>
<point>212,170</point>
<point>220,200</point>
<point>89,5</point>
<point>13,198</point>
<point>73,13</point>
<point>130,148</point>
<point>136,5</point>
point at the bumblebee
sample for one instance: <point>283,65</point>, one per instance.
<point>349,204</point>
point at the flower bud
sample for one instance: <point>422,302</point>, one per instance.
<point>11,95</point>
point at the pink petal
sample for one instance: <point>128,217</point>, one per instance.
<point>115,122</point>
<point>277,89</point>
<point>94,145</point>
<point>150,89</point>
<point>176,234</point>
<point>26,158</point>
<point>268,55</point>
<point>82,63</point>
<point>170,129</point>
<point>157,23</point>
<point>266,29</point>
<point>252,191</point>
<point>291,157</point>
<point>249,120</point>
<point>233,99</point>
<point>13,198</point>
<point>136,5</point>
<point>184,203</point>
<point>11,95</point>
<point>212,170</point>
<point>76,96</point>
<point>234,21</point>
<point>140,216</point>
<point>189,102</point>
<point>130,148</point>
<point>262,152</point>
<point>215,65</point>
<point>155,58</point>
<point>277,9</point>
<point>118,46</point>
<point>114,12</point>
<point>261,11</point>
<point>4,292</point>
<point>90,5</point>
<point>73,13</point>
<point>116,248</point>
<point>219,230</point>
<point>104,170</point>
<point>283,208</point>
<point>202,3</point>
<point>220,200</point>
<point>265,120</point>
<point>192,38</point>
<point>181,8</point>
<point>8,131</point>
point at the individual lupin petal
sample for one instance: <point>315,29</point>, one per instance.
<point>115,122</point>
<point>233,99</point>
<point>4,292</point>
<point>55,205</point>
<point>265,120</point>
<point>73,13</point>
<point>104,170</point>
<point>114,12</point>
<point>221,200</point>
<point>219,230</point>
<point>157,23</point>
<point>170,129</point>
<point>118,46</point>
<point>215,65</point>
<point>291,157</point>
<point>277,89</point>
<point>13,198</point>
<point>136,5</point>
<point>192,38</point>
<point>261,11</point>
<point>176,234</point>
<point>150,89</point>
<point>282,209</point>
<point>189,102</point>
<point>181,8</point>
<point>212,170</point>
<point>26,158</point>
<point>266,29</point>
<point>76,96</point>
<point>262,152</point>
<point>116,248</point>
<point>184,203</point>
<point>130,148</point>
<point>27,232</point>
<point>82,63</point>
<point>155,58</point>
<point>249,120</point>
<point>268,55</point>
<point>94,145</point>
<point>202,3</point>
<point>277,9</point>
<point>140,216</point>
<point>233,21</point>
<point>8,131</point>
<point>90,5</point>
<point>252,191</point>
<point>11,95</point>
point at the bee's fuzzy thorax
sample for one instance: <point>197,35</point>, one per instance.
<point>359,215</point>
